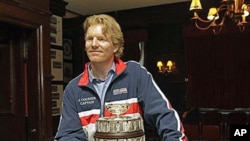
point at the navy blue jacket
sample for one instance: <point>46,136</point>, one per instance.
<point>132,84</point>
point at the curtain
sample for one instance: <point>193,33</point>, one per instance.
<point>218,69</point>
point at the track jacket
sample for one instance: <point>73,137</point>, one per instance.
<point>131,84</point>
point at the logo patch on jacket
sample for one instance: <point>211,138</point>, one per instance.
<point>86,100</point>
<point>120,91</point>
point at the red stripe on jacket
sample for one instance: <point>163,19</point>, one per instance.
<point>89,119</point>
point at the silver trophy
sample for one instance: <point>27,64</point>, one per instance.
<point>119,127</point>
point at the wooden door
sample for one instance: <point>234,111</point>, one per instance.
<point>25,99</point>
<point>13,98</point>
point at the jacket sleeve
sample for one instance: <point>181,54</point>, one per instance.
<point>70,128</point>
<point>157,110</point>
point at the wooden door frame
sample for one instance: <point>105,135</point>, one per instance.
<point>39,22</point>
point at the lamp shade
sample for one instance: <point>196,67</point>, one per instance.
<point>213,14</point>
<point>245,10</point>
<point>195,5</point>
<point>169,63</point>
<point>159,64</point>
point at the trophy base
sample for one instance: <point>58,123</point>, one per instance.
<point>124,136</point>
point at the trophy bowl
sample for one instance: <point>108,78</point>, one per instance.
<point>117,109</point>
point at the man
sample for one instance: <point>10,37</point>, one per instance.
<point>107,79</point>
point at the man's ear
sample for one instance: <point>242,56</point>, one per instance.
<point>116,47</point>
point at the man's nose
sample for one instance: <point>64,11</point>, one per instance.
<point>94,42</point>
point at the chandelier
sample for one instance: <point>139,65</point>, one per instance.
<point>236,10</point>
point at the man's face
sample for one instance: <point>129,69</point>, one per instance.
<point>99,47</point>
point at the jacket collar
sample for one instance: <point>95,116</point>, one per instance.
<point>119,68</point>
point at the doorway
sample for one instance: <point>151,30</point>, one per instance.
<point>17,104</point>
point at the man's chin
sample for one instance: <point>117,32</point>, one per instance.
<point>95,60</point>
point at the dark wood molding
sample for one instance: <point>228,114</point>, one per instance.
<point>18,14</point>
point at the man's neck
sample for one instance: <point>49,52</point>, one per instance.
<point>100,70</point>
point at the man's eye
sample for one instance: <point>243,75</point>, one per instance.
<point>89,39</point>
<point>102,39</point>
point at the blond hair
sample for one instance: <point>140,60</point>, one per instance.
<point>109,27</point>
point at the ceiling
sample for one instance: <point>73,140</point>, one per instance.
<point>88,7</point>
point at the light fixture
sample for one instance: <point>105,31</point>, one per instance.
<point>236,10</point>
<point>166,68</point>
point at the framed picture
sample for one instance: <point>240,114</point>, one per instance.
<point>67,49</point>
<point>56,30</point>
<point>56,99</point>
<point>67,72</point>
<point>57,64</point>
